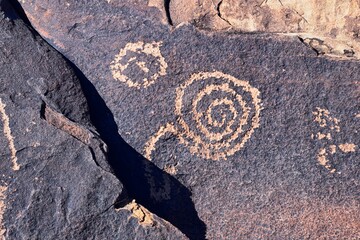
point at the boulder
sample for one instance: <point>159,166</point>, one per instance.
<point>56,182</point>
<point>261,130</point>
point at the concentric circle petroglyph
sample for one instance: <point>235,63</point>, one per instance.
<point>139,64</point>
<point>217,114</point>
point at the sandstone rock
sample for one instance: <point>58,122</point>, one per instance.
<point>55,179</point>
<point>261,130</point>
<point>335,23</point>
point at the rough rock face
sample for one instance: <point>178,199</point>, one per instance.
<point>261,130</point>
<point>55,179</point>
<point>329,27</point>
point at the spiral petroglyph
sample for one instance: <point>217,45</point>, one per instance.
<point>217,119</point>
<point>216,115</point>
<point>139,64</point>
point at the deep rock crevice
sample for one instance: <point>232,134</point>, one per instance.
<point>167,11</point>
<point>219,13</point>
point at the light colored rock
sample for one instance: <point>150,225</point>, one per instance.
<point>329,27</point>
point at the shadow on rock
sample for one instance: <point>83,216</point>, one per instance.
<point>150,186</point>
<point>13,10</point>
<point>153,188</point>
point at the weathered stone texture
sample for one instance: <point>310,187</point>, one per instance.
<point>256,136</point>
<point>55,179</point>
<point>332,25</point>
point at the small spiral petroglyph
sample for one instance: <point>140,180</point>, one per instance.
<point>216,114</point>
<point>139,64</point>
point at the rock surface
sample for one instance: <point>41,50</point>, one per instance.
<point>55,179</point>
<point>261,130</point>
<point>329,27</point>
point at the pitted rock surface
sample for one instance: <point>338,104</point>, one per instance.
<point>261,130</point>
<point>329,27</point>
<point>55,179</point>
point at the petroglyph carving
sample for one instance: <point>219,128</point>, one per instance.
<point>347,147</point>
<point>7,132</point>
<point>220,112</point>
<point>139,61</point>
<point>329,125</point>
<point>150,145</point>
<point>323,118</point>
<point>3,190</point>
<point>323,158</point>
<point>216,115</point>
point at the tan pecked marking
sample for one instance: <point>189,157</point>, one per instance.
<point>210,111</point>
<point>2,210</point>
<point>150,145</point>
<point>332,149</point>
<point>215,147</point>
<point>323,161</point>
<point>219,136</point>
<point>320,136</point>
<point>323,118</point>
<point>142,66</point>
<point>144,216</point>
<point>151,49</point>
<point>8,135</point>
<point>347,147</point>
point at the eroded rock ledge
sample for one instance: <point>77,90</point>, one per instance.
<point>329,27</point>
